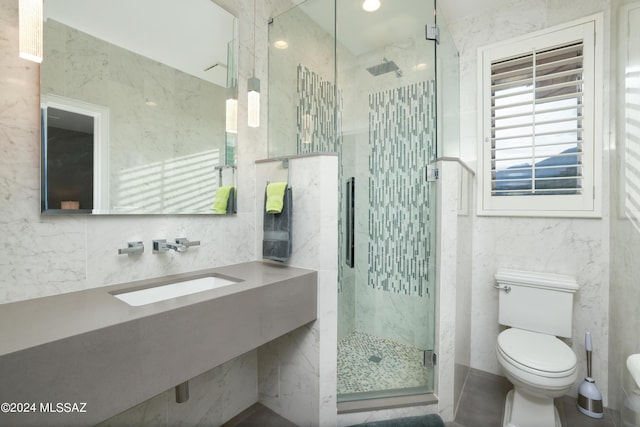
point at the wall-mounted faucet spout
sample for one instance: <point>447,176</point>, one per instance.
<point>187,243</point>
<point>162,245</point>
<point>177,247</point>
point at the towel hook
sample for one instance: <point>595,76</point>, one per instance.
<point>286,165</point>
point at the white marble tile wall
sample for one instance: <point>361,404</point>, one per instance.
<point>570,246</point>
<point>44,256</point>
<point>464,235</point>
<point>297,372</point>
<point>447,288</point>
<point>214,397</point>
<point>625,237</point>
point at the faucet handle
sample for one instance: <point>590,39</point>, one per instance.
<point>186,242</point>
<point>133,248</point>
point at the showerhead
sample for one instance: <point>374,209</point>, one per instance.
<point>385,67</point>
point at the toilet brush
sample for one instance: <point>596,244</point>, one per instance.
<point>589,397</point>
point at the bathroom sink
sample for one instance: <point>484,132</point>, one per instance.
<point>633,365</point>
<point>173,290</point>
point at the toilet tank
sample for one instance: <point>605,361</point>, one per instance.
<point>538,302</point>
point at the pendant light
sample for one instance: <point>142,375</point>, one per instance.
<point>253,84</point>
<point>371,5</point>
<point>231,107</point>
<point>30,19</point>
<point>231,104</point>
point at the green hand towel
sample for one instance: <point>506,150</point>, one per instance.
<point>222,197</point>
<point>275,197</point>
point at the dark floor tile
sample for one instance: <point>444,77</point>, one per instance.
<point>258,416</point>
<point>572,417</point>
<point>482,404</point>
<point>482,400</point>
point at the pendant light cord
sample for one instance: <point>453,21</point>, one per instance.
<point>254,38</point>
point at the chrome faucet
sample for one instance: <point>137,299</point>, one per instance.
<point>132,249</point>
<point>162,245</point>
<point>177,247</point>
<point>187,243</point>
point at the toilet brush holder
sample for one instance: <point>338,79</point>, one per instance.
<point>589,397</point>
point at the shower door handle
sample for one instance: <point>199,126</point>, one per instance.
<point>350,222</point>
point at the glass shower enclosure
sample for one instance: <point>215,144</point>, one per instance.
<point>386,302</point>
<point>365,84</point>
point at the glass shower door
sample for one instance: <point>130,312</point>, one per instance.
<point>386,296</point>
<point>364,84</point>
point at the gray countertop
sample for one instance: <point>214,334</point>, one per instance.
<point>30,323</point>
<point>91,347</point>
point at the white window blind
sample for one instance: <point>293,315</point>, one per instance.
<point>536,122</point>
<point>541,109</point>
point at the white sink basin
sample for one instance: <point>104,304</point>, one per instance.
<point>633,365</point>
<point>173,290</point>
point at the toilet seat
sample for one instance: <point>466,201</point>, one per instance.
<point>538,354</point>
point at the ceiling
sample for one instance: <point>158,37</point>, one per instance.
<point>363,32</point>
<point>453,10</point>
<point>189,35</point>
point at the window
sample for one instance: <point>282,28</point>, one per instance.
<point>541,120</point>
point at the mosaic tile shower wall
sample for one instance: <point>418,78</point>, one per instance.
<point>402,134</point>
<point>318,113</point>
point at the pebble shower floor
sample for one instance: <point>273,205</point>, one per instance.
<point>368,363</point>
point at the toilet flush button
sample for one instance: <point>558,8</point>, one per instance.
<point>633,365</point>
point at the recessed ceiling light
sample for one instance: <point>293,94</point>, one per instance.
<point>421,66</point>
<point>280,44</point>
<point>371,5</point>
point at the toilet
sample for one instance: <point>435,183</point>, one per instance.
<point>537,308</point>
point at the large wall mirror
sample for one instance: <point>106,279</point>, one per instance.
<point>133,97</point>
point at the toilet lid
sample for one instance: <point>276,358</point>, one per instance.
<point>537,351</point>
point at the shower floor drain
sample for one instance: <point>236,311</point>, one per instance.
<point>375,359</point>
